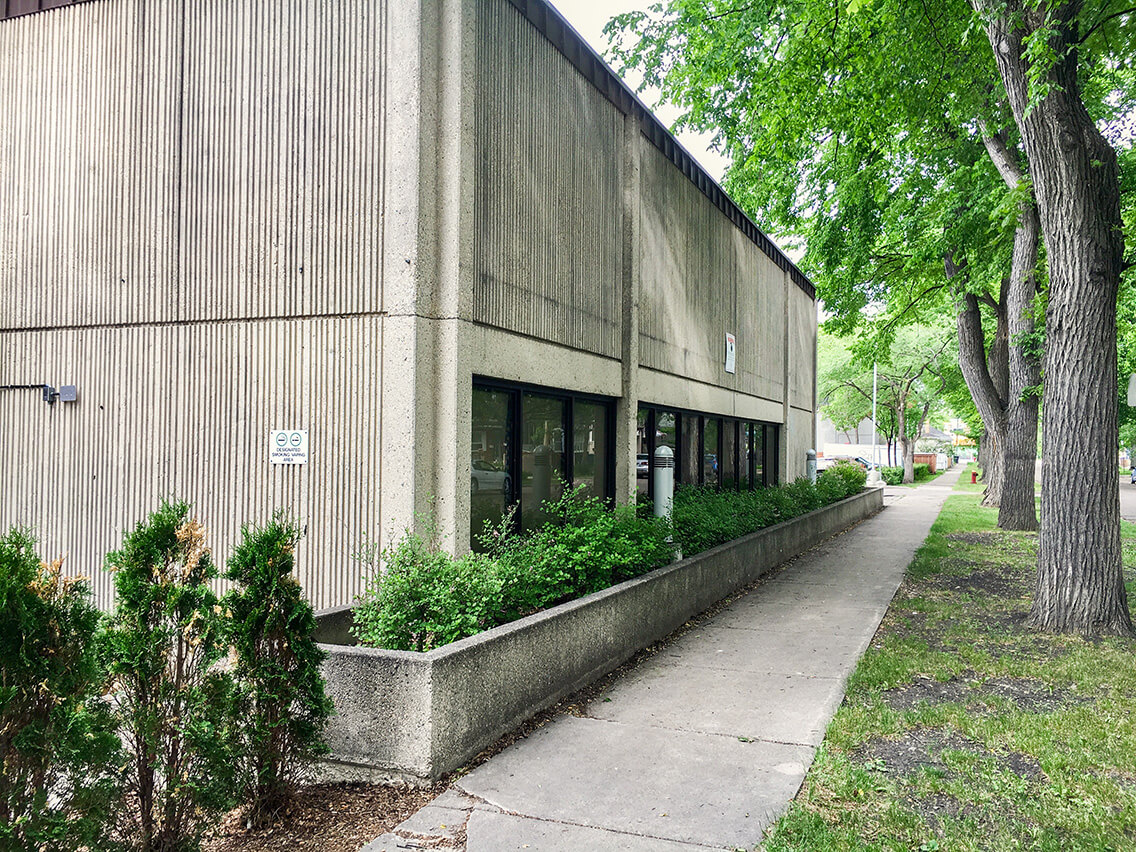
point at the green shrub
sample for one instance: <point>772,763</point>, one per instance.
<point>892,475</point>
<point>59,755</point>
<point>175,706</point>
<point>922,472</point>
<point>280,694</point>
<point>851,475</point>
<point>704,517</point>
<point>583,548</point>
<point>424,597</point>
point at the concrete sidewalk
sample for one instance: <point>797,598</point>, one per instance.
<point>703,745</point>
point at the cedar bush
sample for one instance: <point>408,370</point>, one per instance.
<point>175,706</point>
<point>279,689</point>
<point>59,755</point>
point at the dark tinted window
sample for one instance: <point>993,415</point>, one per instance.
<point>491,483</point>
<point>590,447</point>
<point>711,463</point>
<point>542,456</point>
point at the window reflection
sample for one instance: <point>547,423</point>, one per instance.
<point>710,471</point>
<point>590,448</point>
<point>728,463</point>
<point>542,456</point>
<point>491,440</point>
<point>759,455</point>
<point>691,450</point>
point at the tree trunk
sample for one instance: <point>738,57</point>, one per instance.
<point>1016,508</point>
<point>984,391</point>
<point>1080,587</point>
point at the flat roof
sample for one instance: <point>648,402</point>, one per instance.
<point>552,25</point>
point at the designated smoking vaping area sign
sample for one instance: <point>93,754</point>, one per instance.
<point>288,446</point>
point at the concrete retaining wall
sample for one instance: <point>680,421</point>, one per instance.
<point>424,714</point>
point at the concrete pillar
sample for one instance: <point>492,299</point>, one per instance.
<point>627,407</point>
<point>425,415</point>
<point>784,466</point>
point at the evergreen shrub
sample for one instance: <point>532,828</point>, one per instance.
<point>280,696</point>
<point>175,706</point>
<point>59,755</point>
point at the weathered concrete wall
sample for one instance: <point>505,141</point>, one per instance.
<point>427,714</point>
<point>203,204</point>
<point>547,190</point>
<point>702,278</point>
<point>184,411</point>
<point>174,161</point>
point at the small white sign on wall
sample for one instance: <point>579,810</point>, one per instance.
<point>731,345</point>
<point>288,446</point>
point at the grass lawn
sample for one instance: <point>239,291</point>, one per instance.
<point>963,730</point>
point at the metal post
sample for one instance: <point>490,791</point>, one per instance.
<point>811,465</point>
<point>664,481</point>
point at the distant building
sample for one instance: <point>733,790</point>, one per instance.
<point>359,260</point>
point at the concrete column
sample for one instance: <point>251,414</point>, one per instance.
<point>785,472</point>
<point>627,408</point>
<point>424,432</point>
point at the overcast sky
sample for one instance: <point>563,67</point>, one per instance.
<point>588,17</point>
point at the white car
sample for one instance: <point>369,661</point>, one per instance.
<point>486,476</point>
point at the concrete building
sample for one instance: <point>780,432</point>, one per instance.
<point>436,243</point>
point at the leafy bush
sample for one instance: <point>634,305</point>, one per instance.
<point>922,471</point>
<point>892,475</point>
<point>279,692</point>
<point>704,517</point>
<point>174,705</point>
<point>583,548</point>
<point>425,598</point>
<point>58,750</point>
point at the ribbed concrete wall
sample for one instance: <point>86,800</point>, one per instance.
<point>184,411</point>
<point>168,160</point>
<point>548,190</point>
<point>701,278</point>
<point>802,341</point>
<point>192,198</point>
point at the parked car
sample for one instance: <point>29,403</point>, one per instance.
<point>642,465</point>
<point>1134,476</point>
<point>487,476</point>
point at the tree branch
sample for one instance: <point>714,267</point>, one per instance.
<point>1103,21</point>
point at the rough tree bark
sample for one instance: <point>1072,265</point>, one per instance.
<point>1001,380</point>
<point>1076,183</point>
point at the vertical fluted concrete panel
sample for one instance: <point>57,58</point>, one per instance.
<point>802,336</point>
<point>281,148</point>
<point>164,161</point>
<point>89,97</point>
<point>701,278</point>
<point>548,191</point>
<point>185,412</point>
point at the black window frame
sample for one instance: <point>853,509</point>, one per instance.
<point>744,430</point>
<point>517,391</point>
